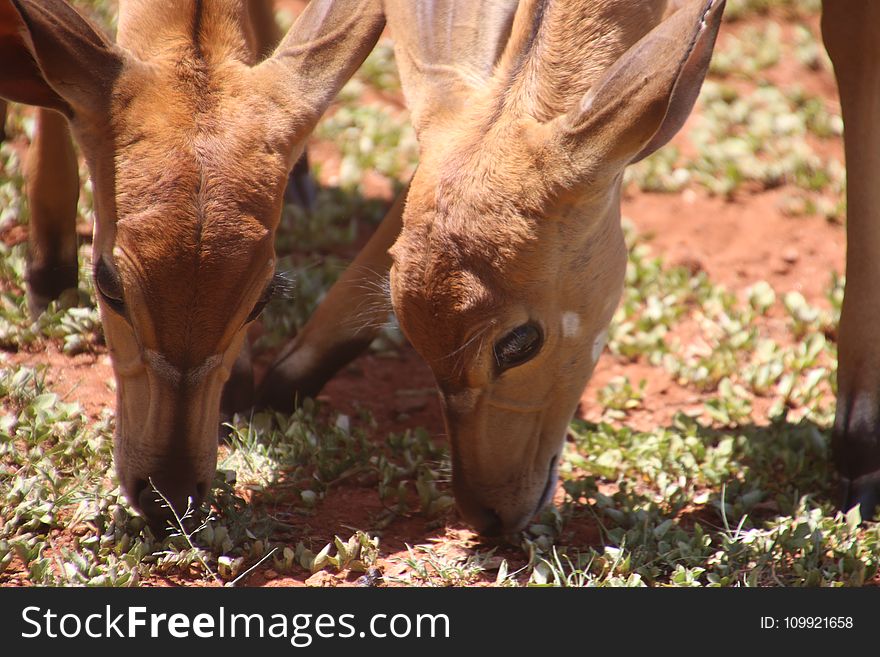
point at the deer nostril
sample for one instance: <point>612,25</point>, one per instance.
<point>137,490</point>
<point>488,523</point>
<point>165,506</point>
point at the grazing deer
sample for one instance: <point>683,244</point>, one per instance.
<point>510,260</point>
<point>53,182</point>
<point>189,142</point>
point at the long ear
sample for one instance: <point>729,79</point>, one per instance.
<point>446,50</point>
<point>53,57</point>
<point>644,98</point>
<point>328,42</point>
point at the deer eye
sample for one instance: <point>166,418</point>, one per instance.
<point>518,346</point>
<point>109,286</point>
<point>265,298</point>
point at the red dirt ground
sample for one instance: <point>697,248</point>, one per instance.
<point>736,242</point>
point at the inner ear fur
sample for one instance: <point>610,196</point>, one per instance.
<point>328,42</point>
<point>644,98</point>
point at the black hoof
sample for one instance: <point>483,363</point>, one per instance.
<point>283,393</point>
<point>46,283</point>
<point>238,394</point>
<point>296,376</point>
<point>856,451</point>
<point>863,492</point>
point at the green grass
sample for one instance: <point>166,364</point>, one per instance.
<point>737,492</point>
<point>749,135</point>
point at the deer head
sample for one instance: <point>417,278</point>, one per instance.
<point>511,259</point>
<point>189,142</point>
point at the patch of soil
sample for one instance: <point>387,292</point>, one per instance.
<point>397,389</point>
<point>85,378</point>
<point>740,243</point>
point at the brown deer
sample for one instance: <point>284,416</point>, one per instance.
<point>53,182</point>
<point>189,142</point>
<point>510,259</point>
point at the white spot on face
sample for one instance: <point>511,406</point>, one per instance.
<point>571,324</point>
<point>599,345</point>
<point>587,103</point>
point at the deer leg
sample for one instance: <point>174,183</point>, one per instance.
<point>52,176</point>
<point>3,107</point>
<point>851,31</point>
<point>301,187</point>
<point>345,323</point>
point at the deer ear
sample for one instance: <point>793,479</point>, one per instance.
<point>445,51</point>
<point>55,58</point>
<point>320,52</point>
<point>644,98</point>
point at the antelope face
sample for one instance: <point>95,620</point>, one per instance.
<point>511,259</point>
<point>511,319</point>
<point>184,269</point>
<point>189,143</point>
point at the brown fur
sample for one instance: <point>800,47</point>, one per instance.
<point>524,128</point>
<point>851,30</point>
<point>513,217</point>
<point>189,142</point>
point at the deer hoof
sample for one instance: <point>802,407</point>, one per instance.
<point>283,393</point>
<point>238,392</point>
<point>856,450</point>
<point>863,492</point>
<point>46,283</point>
<point>301,372</point>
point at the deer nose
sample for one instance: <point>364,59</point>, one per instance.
<point>500,515</point>
<point>169,505</point>
<point>485,521</point>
